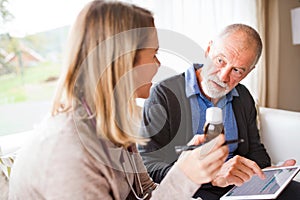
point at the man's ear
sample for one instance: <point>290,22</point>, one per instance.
<point>208,48</point>
<point>252,68</point>
<point>249,71</point>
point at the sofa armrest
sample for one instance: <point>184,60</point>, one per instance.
<point>9,146</point>
<point>280,133</point>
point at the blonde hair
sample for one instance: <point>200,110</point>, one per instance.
<point>103,44</point>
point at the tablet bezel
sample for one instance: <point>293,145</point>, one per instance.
<point>265,196</point>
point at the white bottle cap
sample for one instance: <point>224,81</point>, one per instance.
<point>214,115</point>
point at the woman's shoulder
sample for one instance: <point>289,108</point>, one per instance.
<point>60,151</point>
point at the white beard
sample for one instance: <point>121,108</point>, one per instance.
<point>208,87</point>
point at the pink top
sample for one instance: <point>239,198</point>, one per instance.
<point>66,160</point>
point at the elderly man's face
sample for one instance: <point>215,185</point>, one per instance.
<point>231,61</point>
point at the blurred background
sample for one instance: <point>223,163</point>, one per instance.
<point>33,35</point>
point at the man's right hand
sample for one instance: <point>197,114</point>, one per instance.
<point>237,171</point>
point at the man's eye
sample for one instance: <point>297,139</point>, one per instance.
<point>221,61</point>
<point>237,71</point>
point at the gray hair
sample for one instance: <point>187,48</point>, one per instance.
<point>252,36</point>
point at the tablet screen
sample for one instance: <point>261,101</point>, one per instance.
<point>276,180</point>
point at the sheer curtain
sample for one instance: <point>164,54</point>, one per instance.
<point>268,25</point>
<point>200,21</point>
<point>261,67</point>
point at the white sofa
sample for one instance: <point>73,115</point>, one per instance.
<point>9,146</point>
<point>280,133</point>
<point>279,129</point>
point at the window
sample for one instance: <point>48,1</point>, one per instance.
<point>32,42</point>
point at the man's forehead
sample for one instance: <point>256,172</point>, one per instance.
<point>244,58</point>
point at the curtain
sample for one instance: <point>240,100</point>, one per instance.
<point>268,25</point>
<point>272,49</point>
<point>261,65</point>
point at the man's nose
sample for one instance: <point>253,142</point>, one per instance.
<point>225,74</point>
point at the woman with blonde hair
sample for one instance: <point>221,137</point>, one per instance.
<point>86,148</point>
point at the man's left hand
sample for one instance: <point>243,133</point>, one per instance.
<point>287,163</point>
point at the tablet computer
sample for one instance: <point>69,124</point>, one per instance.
<point>269,188</point>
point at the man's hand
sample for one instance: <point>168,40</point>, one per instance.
<point>290,162</point>
<point>237,171</point>
<point>287,163</point>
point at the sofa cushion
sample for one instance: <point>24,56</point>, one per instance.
<point>280,133</point>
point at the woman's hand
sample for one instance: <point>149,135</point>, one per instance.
<point>197,140</point>
<point>202,164</point>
